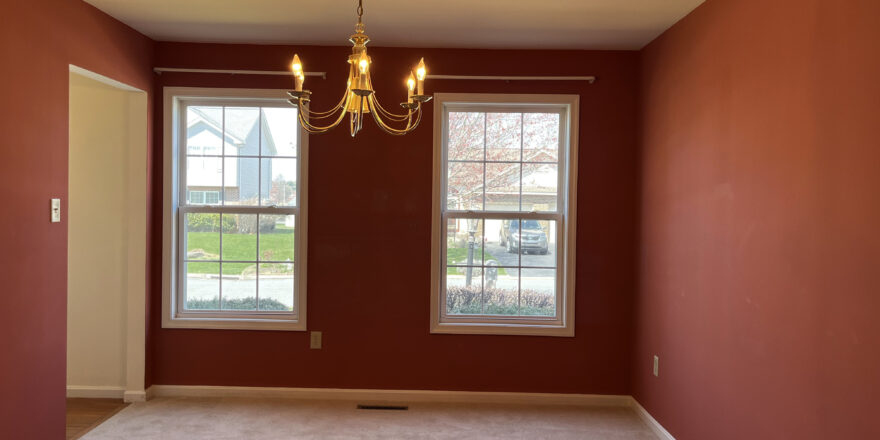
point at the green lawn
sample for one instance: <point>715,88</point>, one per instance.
<point>459,256</point>
<point>276,245</point>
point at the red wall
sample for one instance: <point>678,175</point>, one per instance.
<point>369,237</point>
<point>38,39</point>
<point>760,205</point>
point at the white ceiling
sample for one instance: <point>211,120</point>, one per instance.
<point>561,24</point>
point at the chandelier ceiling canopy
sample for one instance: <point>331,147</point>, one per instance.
<point>359,97</point>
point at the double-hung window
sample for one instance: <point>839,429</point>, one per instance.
<point>235,210</point>
<point>504,207</point>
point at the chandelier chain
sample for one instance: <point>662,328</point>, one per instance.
<point>360,10</point>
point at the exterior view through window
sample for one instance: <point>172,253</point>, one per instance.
<point>504,189</point>
<point>237,240</point>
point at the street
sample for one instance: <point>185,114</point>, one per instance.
<point>279,289</point>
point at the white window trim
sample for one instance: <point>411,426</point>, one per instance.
<point>563,323</point>
<point>171,318</point>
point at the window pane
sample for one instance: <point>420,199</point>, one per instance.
<point>500,295</point>
<point>539,187</point>
<point>204,130</point>
<point>461,298</point>
<point>212,197</point>
<point>239,287</point>
<point>538,295</point>
<point>495,244</point>
<point>504,248</point>
<point>276,287</point>
<point>279,182</point>
<point>277,238</point>
<point>202,286</point>
<point>239,238</point>
<point>502,186</point>
<point>202,174</point>
<point>196,197</point>
<point>503,136</point>
<point>203,237</point>
<point>538,243</point>
<point>466,134</point>
<point>464,187</point>
<point>242,181</point>
<point>464,243</point>
<point>242,131</point>
<point>280,126</point>
<point>540,137</point>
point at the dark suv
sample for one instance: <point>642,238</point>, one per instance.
<point>532,235</point>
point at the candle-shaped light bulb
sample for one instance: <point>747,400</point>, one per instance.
<point>364,67</point>
<point>363,63</point>
<point>421,73</point>
<point>296,65</point>
<point>297,68</point>
<point>410,87</point>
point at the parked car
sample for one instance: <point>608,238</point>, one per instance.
<point>531,238</point>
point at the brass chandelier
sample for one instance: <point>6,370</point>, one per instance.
<point>359,97</point>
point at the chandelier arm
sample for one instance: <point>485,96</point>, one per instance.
<point>319,129</point>
<point>399,132</point>
<point>320,115</point>
<point>388,114</point>
<point>394,131</point>
<point>329,115</point>
<point>392,116</point>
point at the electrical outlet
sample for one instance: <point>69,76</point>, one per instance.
<point>656,365</point>
<point>315,340</point>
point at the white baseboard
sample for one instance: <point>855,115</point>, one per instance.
<point>95,392</point>
<point>403,396</point>
<point>652,423</point>
<point>134,396</point>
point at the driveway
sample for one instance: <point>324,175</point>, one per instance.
<point>512,259</point>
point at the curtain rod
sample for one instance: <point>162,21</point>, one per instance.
<point>590,79</point>
<point>160,70</point>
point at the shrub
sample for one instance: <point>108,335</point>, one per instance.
<point>469,299</point>
<point>247,224</point>
<point>242,224</point>
<point>249,303</point>
<point>209,222</point>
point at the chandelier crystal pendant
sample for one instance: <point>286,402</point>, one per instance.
<point>359,98</point>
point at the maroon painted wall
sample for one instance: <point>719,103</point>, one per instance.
<point>38,39</point>
<point>760,206</point>
<point>369,237</point>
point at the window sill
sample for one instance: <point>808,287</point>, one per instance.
<point>509,329</point>
<point>234,324</point>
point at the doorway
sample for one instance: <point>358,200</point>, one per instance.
<point>107,190</point>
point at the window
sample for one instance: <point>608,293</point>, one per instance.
<point>505,178</point>
<point>235,210</point>
<point>203,197</point>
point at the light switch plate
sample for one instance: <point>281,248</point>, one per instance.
<point>55,211</point>
<point>315,340</point>
<point>656,366</point>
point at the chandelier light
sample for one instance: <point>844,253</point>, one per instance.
<point>359,97</point>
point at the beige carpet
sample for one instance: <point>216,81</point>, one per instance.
<point>241,418</point>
